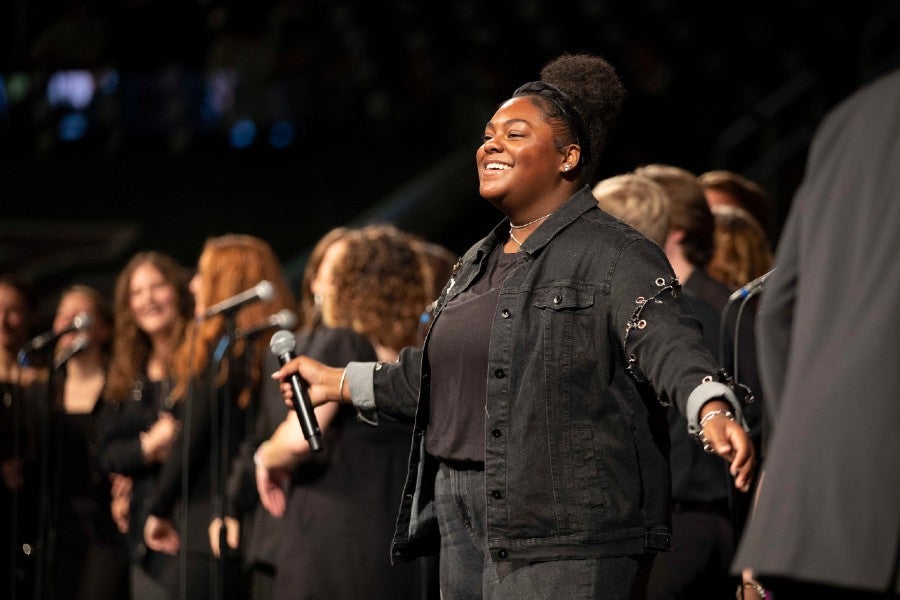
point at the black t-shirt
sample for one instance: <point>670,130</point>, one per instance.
<point>458,356</point>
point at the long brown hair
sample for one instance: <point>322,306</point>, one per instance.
<point>229,265</point>
<point>131,347</point>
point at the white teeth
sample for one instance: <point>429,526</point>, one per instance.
<point>496,167</point>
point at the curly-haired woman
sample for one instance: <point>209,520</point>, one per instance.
<point>371,290</point>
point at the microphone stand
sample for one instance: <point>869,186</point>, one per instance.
<point>220,442</point>
<point>46,534</point>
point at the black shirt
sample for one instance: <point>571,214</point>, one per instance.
<point>458,353</point>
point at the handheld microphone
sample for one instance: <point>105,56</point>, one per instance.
<point>77,345</point>
<point>80,322</point>
<point>282,346</point>
<point>751,288</point>
<point>283,319</point>
<point>262,291</point>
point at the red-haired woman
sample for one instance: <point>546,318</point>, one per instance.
<point>228,265</point>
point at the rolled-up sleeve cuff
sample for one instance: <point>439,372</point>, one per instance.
<point>361,381</point>
<point>703,393</point>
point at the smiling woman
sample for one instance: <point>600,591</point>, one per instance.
<point>152,309</point>
<point>539,467</point>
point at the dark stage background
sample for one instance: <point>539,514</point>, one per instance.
<point>152,124</point>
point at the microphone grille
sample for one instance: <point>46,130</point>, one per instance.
<point>265,291</point>
<point>286,318</point>
<point>81,321</point>
<point>282,342</point>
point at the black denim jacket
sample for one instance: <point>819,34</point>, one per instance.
<point>576,460</point>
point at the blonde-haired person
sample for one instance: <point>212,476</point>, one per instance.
<point>638,201</point>
<point>372,291</point>
<point>742,252</point>
<point>228,265</point>
<point>152,307</point>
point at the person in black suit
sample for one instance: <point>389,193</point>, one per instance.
<point>826,523</point>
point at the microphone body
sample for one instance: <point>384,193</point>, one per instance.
<point>262,291</point>
<point>751,288</point>
<point>77,345</point>
<point>283,319</point>
<point>282,346</point>
<point>81,321</point>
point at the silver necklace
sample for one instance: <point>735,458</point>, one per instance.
<point>524,225</point>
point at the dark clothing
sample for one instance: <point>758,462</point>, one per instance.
<point>576,462</point>
<point>703,530</point>
<point>83,553</point>
<point>120,452</point>
<point>20,418</point>
<point>201,452</point>
<point>340,512</point>
<point>468,572</point>
<point>828,510</point>
<point>459,358</point>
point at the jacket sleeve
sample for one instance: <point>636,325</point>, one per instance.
<point>658,334</point>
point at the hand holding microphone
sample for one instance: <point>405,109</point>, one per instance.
<point>282,346</point>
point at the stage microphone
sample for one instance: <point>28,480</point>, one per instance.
<point>81,321</point>
<point>282,346</point>
<point>77,345</point>
<point>283,319</point>
<point>751,288</point>
<point>261,291</point>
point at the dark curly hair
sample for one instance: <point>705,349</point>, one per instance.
<point>596,91</point>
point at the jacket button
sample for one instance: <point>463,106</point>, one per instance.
<point>499,373</point>
<point>557,299</point>
<point>505,313</point>
<point>496,433</point>
<point>502,553</point>
<point>497,494</point>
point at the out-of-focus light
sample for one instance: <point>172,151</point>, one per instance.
<point>71,88</point>
<point>218,94</point>
<point>4,101</point>
<point>108,82</point>
<point>72,127</point>
<point>243,132</point>
<point>282,134</point>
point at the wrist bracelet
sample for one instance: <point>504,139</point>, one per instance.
<point>257,459</point>
<point>341,388</point>
<point>713,413</point>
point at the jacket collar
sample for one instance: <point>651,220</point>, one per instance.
<point>578,204</point>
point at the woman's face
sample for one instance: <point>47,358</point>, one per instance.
<point>518,162</point>
<point>322,284</point>
<point>69,307</point>
<point>13,319</point>
<point>152,300</point>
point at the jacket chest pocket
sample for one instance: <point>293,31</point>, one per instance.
<point>566,319</point>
